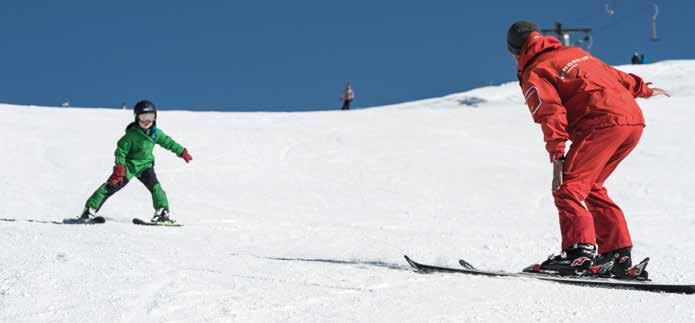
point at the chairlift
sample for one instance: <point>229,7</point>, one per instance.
<point>609,11</point>
<point>656,13</point>
<point>587,42</point>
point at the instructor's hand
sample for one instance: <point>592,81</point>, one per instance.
<point>558,166</point>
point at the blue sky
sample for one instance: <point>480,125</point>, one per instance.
<point>294,55</point>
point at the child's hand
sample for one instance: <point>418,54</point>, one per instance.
<point>186,156</point>
<point>117,175</point>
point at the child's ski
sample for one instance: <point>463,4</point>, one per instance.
<point>95,220</point>
<point>161,224</point>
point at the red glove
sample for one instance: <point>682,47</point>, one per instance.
<point>117,175</point>
<point>186,156</point>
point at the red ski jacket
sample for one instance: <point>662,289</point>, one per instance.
<point>569,91</point>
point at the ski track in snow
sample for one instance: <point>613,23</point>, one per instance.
<point>304,217</point>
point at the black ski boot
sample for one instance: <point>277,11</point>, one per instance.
<point>88,214</point>
<point>162,216</point>
<point>620,265</point>
<point>574,261</point>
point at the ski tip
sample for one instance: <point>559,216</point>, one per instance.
<point>466,264</point>
<point>412,263</point>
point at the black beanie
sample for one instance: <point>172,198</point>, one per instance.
<point>518,34</point>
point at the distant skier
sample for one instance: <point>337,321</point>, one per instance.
<point>637,58</point>
<point>575,96</point>
<point>134,158</point>
<point>348,96</point>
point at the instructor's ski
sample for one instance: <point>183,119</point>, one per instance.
<point>467,268</point>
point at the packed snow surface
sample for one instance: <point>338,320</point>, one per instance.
<point>305,217</point>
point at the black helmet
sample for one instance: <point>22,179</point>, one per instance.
<point>144,106</point>
<point>518,34</point>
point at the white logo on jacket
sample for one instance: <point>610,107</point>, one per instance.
<point>533,99</point>
<point>572,64</point>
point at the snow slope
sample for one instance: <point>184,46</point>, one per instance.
<point>305,217</point>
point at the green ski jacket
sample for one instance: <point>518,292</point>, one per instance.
<point>134,149</point>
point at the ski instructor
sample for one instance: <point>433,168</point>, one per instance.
<point>575,96</point>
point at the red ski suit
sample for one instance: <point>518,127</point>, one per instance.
<point>575,96</point>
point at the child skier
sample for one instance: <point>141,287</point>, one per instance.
<point>134,159</point>
<point>575,96</point>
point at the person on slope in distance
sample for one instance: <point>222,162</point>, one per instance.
<point>348,96</point>
<point>134,158</point>
<point>575,96</point>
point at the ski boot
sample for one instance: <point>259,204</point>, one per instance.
<point>620,265</point>
<point>88,214</point>
<point>574,261</point>
<point>162,216</point>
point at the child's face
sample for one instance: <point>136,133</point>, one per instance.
<point>146,120</point>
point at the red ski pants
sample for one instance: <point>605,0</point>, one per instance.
<point>587,214</point>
